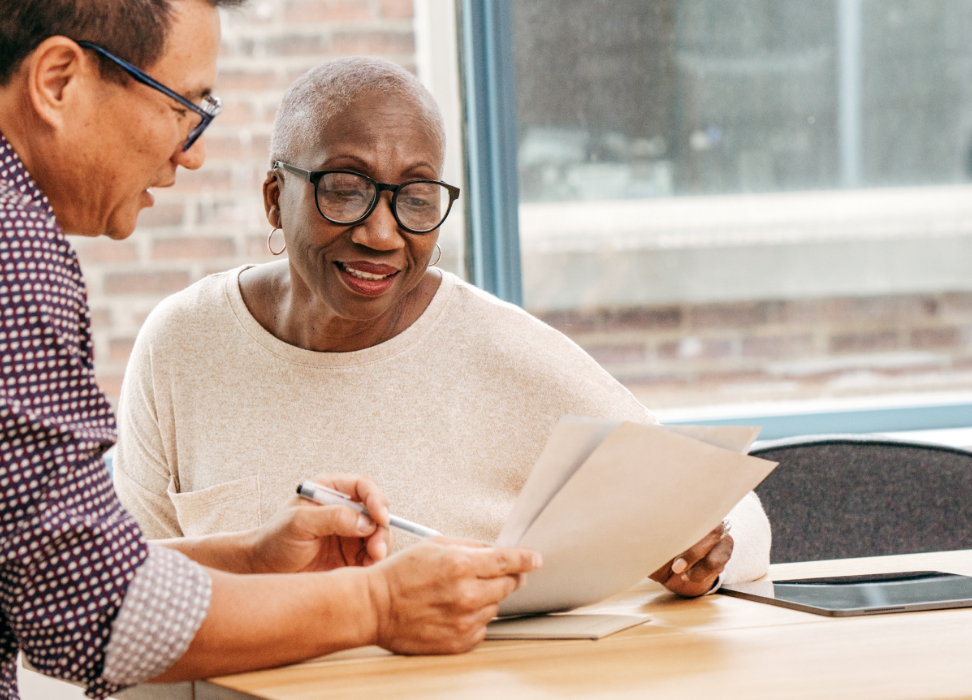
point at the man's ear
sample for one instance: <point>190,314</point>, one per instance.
<point>271,199</point>
<point>56,71</point>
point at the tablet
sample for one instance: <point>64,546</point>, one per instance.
<point>872,594</point>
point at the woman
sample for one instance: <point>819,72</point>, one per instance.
<point>355,353</point>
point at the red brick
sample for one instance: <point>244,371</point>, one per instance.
<point>656,380</point>
<point>110,383</point>
<point>256,247</point>
<point>864,342</point>
<point>957,302</point>
<point>607,320</point>
<point>617,354</point>
<point>245,80</point>
<point>889,308</point>
<point>704,349</point>
<point>737,377</point>
<point>237,148</point>
<point>171,248</point>
<point>948,336</point>
<point>778,346</point>
<point>101,249</point>
<point>120,349</point>
<point>146,282</point>
<point>299,45</point>
<point>397,9</point>
<point>351,43</point>
<point>161,215</point>
<point>100,318</point>
<point>235,112</point>
<point>206,179</point>
<point>742,315</point>
<point>305,11</point>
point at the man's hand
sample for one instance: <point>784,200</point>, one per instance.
<point>306,536</point>
<point>694,571</point>
<point>437,596</point>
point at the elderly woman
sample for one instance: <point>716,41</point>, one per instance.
<point>357,354</point>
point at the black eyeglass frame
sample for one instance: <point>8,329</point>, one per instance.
<point>314,177</point>
<point>207,114</point>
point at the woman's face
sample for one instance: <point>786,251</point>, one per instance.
<point>365,271</point>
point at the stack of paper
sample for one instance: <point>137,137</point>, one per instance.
<point>608,503</point>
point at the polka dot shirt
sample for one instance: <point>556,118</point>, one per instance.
<point>68,550</point>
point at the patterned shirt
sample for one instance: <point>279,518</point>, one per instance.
<point>69,552</point>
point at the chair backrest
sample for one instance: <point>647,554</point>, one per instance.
<point>840,496</point>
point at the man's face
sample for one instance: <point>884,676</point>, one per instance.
<point>131,137</point>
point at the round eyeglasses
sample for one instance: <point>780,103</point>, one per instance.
<point>346,198</point>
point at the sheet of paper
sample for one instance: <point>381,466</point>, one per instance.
<point>735,438</point>
<point>572,441</point>
<point>643,495</point>
<point>562,626</point>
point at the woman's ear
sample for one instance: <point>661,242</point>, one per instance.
<point>271,199</point>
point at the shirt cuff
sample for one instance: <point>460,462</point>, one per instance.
<point>164,606</point>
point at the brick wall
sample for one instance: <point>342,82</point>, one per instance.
<point>736,352</point>
<point>213,218</point>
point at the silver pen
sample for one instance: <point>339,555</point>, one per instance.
<point>330,497</point>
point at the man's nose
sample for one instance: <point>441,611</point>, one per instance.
<point>194,157</point>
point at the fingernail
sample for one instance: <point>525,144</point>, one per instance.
<point>381,550</point>
<point>365,525</point>
<point>679,565</point>
<point>537,560</point>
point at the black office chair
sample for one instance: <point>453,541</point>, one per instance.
<point>838,496</point>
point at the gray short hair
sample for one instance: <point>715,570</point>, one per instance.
<point>322,92</point>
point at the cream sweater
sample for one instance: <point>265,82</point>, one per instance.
<point>219,420</point>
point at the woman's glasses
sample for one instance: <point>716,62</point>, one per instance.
<point>347,198</point>
<point>207,111</point>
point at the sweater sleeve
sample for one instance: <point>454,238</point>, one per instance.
<point>751,541</point>
<point>142,473</point>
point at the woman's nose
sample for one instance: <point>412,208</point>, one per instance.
<point>380,230</point>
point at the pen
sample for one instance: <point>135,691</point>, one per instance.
<point>330,497</point>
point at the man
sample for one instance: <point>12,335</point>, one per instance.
<point>101,100</point>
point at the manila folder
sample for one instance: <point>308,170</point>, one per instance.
<point>643,495</point>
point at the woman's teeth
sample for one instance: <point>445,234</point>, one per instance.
<point>363,275</point>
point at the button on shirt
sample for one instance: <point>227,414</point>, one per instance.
<point>73,563</point>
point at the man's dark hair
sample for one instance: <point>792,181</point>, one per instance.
<point>134,30</point>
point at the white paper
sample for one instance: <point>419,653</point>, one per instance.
<point>645,494</point>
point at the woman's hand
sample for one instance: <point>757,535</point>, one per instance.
<point>693,572</point>
<point>306,536</point>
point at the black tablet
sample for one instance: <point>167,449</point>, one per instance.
<point>872,594</point>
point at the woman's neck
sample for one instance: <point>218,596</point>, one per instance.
<point>290,312</point>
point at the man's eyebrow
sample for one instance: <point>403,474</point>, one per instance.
<point>197,95</point>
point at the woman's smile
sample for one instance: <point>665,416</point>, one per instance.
<point>367,278</point>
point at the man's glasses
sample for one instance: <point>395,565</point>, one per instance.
<point>347,198</point>
<point>207,111</point>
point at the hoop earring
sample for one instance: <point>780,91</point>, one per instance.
<point>270,247</point>
<point>437,258</point>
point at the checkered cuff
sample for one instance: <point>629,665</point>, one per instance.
<point>165,604</point>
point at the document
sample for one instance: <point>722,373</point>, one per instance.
<point>562,626</point>
<point>607,503</point>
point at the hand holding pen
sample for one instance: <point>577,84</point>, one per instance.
<point>305,537</point>
<point>330,497</point>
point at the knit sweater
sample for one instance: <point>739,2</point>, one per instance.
<point>219,420</point>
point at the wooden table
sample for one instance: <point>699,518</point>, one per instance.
<point>712,647</point>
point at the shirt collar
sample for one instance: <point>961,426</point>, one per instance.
<point>13,175</point>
